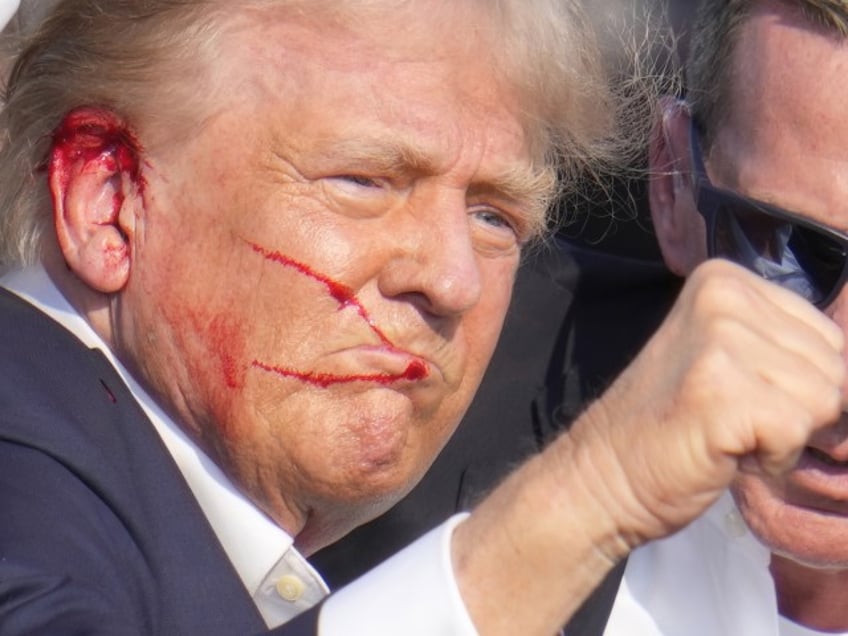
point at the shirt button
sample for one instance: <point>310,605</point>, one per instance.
<point>290,587</point>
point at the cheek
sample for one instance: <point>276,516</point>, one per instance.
<point>204,321</point>
<point>486,319</point>
<point>226,343</point>
<point>213,351</point>
<point>482,327</point>
<point>197,334</point>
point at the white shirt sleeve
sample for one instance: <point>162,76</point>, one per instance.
<point>414,593</point>
<point>7,10</point>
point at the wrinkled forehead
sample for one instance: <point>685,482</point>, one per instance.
<point>361,64</point>
<point>783,72</point>
<point>448,30</point>
<point>426,78</point>
<point>784,63</point>
<point>784,139</point>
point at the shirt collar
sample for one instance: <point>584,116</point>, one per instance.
<point>253,542</point>
<point>711,577</point>
<point>726,518</point>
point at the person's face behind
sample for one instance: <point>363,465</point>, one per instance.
<point>322,265</point>
<point>785,142</point>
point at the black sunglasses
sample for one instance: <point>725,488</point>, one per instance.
<point>783,247</point>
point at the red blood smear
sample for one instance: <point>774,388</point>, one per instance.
<point>340,293</point>
<point>89,134</point>
<point>343,295</point>
<point>415,371</point>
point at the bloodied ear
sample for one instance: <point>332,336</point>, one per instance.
<point>94,180</point>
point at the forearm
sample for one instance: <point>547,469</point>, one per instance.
<point>700,401</point>
<point>533,551</point>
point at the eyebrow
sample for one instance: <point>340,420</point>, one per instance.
<point>531,190</point>
<point>522,185</point>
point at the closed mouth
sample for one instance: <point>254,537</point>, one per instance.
<point>372,366</point>
<point>823,458</point>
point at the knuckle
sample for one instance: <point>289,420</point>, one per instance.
<point>710,374</point>
<point>719,289</point>
<point>830,405</point>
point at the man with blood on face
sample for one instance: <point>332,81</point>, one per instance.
<point>363,251</point>
<point>303,166</point>
<point>767,126</point>
<point>279,239</point>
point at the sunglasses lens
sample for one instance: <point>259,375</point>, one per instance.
<point>803,259</point>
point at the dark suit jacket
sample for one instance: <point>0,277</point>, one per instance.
<point>99,533</point>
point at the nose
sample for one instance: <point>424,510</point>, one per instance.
<point>435,264</point>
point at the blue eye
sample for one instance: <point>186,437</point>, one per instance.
<point>365,182</point>
<point>496,232</point>
<point>494,219</point>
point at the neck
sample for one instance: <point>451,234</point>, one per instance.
<point>810,596</point>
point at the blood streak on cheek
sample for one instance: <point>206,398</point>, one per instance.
<point>340,293</point>
<point>416,370</point>
<point>344,296</point>
<point>229,348</point>
<point>223,343</point>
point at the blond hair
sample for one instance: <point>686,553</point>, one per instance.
<point>130,56</point>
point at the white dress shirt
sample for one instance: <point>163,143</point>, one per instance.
<point>7,11</point>
<point>710,579</point>
<point>413,593</point>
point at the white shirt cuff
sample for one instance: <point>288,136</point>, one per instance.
<point>414,593</point>
<point>7,10</point>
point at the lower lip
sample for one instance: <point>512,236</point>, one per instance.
<point>819,461</point>
<point>818,484</point>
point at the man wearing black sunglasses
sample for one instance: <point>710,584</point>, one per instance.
<point>752,168</point>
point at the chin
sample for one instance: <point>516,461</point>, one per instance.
<point>812,539</point>
<point>380,482</point>
<point>355,500</point>
<point>383,454</point>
